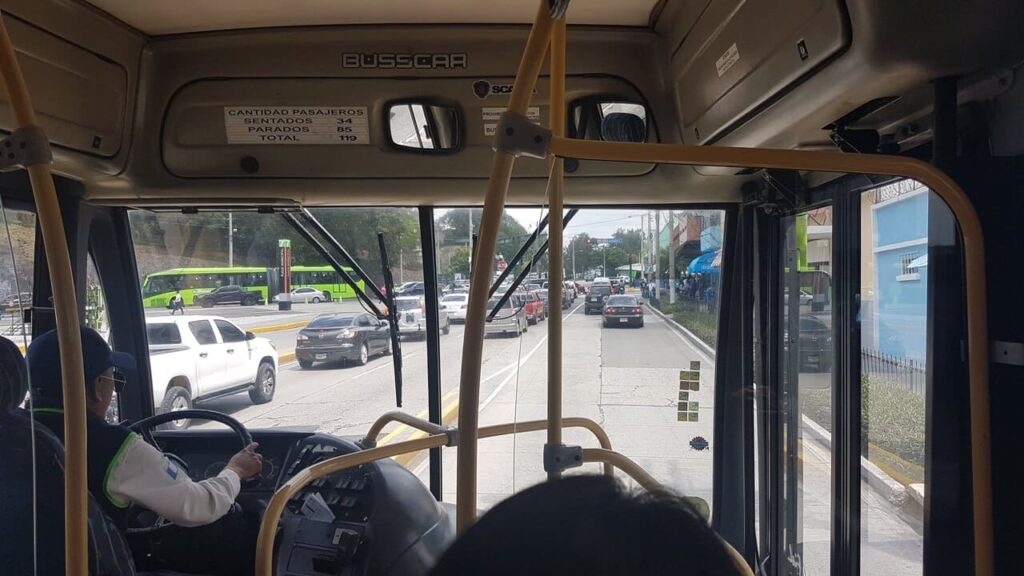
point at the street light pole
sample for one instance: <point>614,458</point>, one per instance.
<point>231,241</point>
<point>572,246</point>
<point>671,257</point>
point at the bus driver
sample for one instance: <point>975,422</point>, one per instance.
<point>123,469</point>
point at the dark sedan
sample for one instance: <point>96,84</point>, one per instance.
<point>622,311</point>
<point>345,336</point>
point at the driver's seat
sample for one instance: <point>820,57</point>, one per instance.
<point>32,490</point>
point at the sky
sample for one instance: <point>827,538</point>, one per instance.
<point>598,223</point>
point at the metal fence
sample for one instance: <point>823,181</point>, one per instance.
<point>899,371</point>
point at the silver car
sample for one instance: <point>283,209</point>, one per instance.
<point>412,320</point>
<point>509,321</point>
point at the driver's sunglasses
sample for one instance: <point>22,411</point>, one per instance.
<point>118,379</point>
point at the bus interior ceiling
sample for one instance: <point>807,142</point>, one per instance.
<point>145,103</point>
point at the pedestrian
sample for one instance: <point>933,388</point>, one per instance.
<point>177,303</point>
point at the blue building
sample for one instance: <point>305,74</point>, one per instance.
<point>897,307</point>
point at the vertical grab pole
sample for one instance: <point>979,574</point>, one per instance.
<point>483,259</point>
<point>555,268</point>
<point>66,310</point>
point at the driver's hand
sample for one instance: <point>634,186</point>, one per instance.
<point>246,463</point>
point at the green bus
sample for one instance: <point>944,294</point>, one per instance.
<point>159,287</point>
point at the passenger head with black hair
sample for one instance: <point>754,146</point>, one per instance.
<point>590,526</point>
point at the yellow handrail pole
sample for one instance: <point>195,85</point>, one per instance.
<point>536,425</point>
<point>402,417</point>
<point>632,469</point>
<point>65,307</point>
<point>555,269</point>
<point>974,264</point>
<point>288,490</point>
<point>494,206</point>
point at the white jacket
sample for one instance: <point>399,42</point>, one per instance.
<point>143,475</point>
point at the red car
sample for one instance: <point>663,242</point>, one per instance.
<point>533,306</point>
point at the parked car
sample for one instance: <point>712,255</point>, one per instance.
<point>411,289</point>
<point>622,310</point>
<point>570,288</point>
<point>455,306</point>
<point>815,344</point>
<point>345,336</point>
<point>533,306</point>
<point>545,296</point>
<point>599,292</point>
<point>307,295</point>
<point>230,294</point>
<point>510,319</point>
<point>412,319</point>
<point>196,358</point>
<point>16,301</point>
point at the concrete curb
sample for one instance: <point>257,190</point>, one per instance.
<point>690,336</point>
<point>877,479</point>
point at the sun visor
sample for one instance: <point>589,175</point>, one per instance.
<point>79,98</point>
<point>353,127</point>
<point>739,56</point>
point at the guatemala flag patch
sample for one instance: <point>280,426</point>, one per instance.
<point>172,471</point>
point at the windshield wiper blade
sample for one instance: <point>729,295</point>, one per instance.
<point>323,251</point>
<point>522,275</point>
<point>525,247</point>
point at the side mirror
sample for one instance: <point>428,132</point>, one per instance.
<point>608,119</point>
<point>250,336</point>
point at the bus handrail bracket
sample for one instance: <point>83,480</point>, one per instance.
<point>559,457</point>
<point>518,136</point>
<point>26,146</point>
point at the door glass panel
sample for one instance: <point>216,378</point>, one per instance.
<point>894,321</point>
<point>17,266</point>
<point>807,392</point>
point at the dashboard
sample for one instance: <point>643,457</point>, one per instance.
<point>373,519</point>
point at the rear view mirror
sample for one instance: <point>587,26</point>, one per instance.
<point>609,120</point>
<point>424,127</point>
<point>250,336</point>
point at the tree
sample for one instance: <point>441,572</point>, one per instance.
<point>459,263</point>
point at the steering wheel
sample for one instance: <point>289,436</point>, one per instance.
<point>146,522</point>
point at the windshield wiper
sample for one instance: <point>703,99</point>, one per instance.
<point>533,261</point>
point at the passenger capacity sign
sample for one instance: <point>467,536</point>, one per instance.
<point>297,124</point>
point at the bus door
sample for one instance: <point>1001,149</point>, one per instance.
<point>865,319</point>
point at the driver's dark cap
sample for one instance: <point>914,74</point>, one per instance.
<point>44,364</point>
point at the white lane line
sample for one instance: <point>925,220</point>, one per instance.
<point>423,465</point>
<point>519,364</point>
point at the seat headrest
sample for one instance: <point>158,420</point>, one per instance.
<point>623,127</point>
<point>13,376</point>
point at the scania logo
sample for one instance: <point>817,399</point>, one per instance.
<point>482,89</point>
<point>403,61</point>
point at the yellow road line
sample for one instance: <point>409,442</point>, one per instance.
<point>447,417</point>
<point>390,437</point>
<point>278,327</point>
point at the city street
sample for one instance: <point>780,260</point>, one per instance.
<point>626,379</point>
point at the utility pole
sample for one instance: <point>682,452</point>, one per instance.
<point>671,257</point>
<point>231,240</point>
<point>469,237</point>
<point>572,246</point>
<point>657,256</point>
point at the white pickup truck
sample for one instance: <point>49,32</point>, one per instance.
<point>196,358</point>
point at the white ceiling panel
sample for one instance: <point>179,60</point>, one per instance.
<point>158,17</point>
